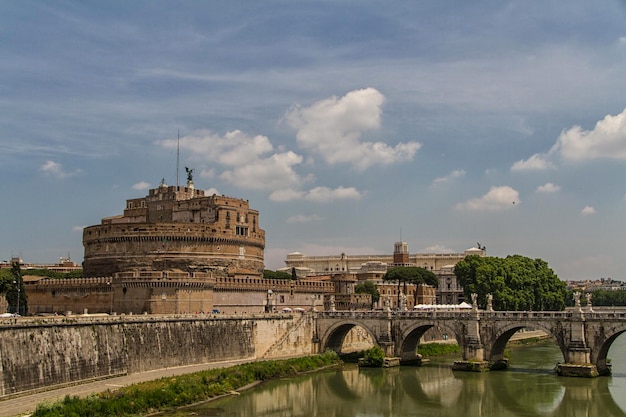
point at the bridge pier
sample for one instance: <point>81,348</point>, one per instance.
<point>473,349</point>
<point>578,355</point>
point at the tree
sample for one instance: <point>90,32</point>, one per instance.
<point>516,282</point>
<point>410,275</point>
<point>15,294</point>
<point>368,287</point>
<point>268,274</point>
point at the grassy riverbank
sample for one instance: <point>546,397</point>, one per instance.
<point>428,350</point>
<point>168,393</point>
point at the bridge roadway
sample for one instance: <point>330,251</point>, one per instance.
<point>584,336</point>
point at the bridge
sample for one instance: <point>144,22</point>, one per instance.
<point>584,336</point>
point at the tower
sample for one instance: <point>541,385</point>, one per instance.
<point>401,254</point>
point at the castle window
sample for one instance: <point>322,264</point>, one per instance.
<point>241,231</point>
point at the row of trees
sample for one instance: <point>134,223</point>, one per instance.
<point>516,282</point>
<point>404,276</point>
<point>604,298</point>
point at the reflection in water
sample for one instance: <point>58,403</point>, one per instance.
<point>527,389</point>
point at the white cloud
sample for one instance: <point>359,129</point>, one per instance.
<point>438,249</point>
<point>247,157</point>
<point>268,173</point>
<point>607,140</point>
<point>207,173</point>
<point>537,162</point>
<point>588,211</point>
<point>454,175</point>
<point>548,188</point>
<point>317,194</point>
<point>78,228</point>
<point>211,191</point>
<point>142,185</point>
<point>332,128</point>
<point>303,218</point>
<point>496,199</point>
<point>56,170</point>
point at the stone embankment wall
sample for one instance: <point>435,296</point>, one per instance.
<point>40,353</point>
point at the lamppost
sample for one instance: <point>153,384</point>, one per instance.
<point>17,285</point>
<point>110,284</point>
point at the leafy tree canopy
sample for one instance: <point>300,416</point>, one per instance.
<point>53,274</point>
<point>268,274</point>
<point>368,287</point>
<point>411,275</point>
<point>516,282</point>
<point>602,298</point>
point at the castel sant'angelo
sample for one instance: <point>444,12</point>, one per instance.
<point>175,251</point>
<point>177,228</point>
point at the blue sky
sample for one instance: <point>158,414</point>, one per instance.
<point>348,125</point>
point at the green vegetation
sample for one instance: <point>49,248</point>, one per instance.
<point>374,357</point>
<point>54,274</point>
<point>516,283</point>
<point>428,350</point>
<point>169,393</point>
<point>267,274</point>
<point>601,298</point>
<point>12,285</point>
<point>368,287</point>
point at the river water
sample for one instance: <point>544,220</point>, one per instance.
<point>528,388</point>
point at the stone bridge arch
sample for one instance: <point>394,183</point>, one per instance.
<point>408,337</point>
<point>497,335</point>
<point>333,336</point>
<point>600,339</point>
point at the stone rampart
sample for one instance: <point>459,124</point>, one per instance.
<point>44,352</point>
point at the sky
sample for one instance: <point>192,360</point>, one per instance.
<point>349,125</point>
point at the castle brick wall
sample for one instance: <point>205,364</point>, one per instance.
<point>156,292</point>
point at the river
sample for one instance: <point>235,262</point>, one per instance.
<point>528,388</point>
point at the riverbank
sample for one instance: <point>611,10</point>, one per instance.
<point>168,393</point>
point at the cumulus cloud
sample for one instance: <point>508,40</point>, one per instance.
<point>454,175</point>
<point>332,128</point>
<point>607,140</point>
<point>317,194</point>
<point>438,249</point>
<point>548,188</point>
<point>303,218</point>
<point>496,199</point>
<point>588,211</point>
<point>537,162</point>
<point>142,185</point>
<point>266,173</point>
<point>55,169</point>
<point>250,161</point>
<point>211,191</point>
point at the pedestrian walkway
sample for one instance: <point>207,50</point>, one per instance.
<point>25,404</point>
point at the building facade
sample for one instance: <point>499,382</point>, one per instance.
<point>374,267</point>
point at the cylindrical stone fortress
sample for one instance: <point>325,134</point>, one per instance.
<point>177,228</point>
